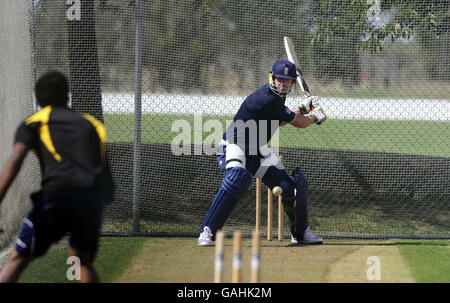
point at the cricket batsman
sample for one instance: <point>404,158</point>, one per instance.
<point>244,152</point>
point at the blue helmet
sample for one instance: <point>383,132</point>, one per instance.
<point>283,69</point>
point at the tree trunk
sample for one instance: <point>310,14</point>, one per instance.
<point>84,68</point>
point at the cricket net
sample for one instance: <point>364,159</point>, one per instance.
<point>165,76</point>
<point>16,103</point>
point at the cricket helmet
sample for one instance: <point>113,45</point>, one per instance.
<point>283,69</point>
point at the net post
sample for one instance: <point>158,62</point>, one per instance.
<point>137,119</point>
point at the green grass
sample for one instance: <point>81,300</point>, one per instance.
<point>404,137</point>
<point>427,260</point>
<point>114,255</point>
<point>50,268</point>
<point>369,221</point>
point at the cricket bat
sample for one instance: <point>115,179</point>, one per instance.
<point>292,56</point>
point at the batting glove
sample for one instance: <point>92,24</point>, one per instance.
<point>318,114</point>
<point>308,104</point>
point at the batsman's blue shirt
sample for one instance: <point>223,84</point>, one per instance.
<point>258,119</point>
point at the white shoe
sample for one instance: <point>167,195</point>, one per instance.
<point>308,238</point>
<point>205,238</point>
<point>293,240</point>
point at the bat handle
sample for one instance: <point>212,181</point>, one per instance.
<point>302,110</point>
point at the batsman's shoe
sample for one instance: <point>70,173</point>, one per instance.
<point>308,238</point>
<point>293,240</point>
<point>205,238</point>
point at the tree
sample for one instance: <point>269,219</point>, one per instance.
<point>429,22</point>
<point>84,68</point>
<point>349,20</point>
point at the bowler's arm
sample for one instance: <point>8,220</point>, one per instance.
<point>12,167</point>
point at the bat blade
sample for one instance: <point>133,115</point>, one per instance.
<point>292,56</point>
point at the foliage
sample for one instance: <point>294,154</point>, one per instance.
<point>218,46</point>
<point>336,18</point>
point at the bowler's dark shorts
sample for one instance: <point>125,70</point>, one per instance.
<point>73,211</point>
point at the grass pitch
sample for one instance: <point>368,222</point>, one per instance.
<point>114,255</point>
<point>170,260</point>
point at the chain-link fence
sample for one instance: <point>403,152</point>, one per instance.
<point>158,71</point>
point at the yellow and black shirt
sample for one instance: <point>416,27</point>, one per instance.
<point>70,146</point>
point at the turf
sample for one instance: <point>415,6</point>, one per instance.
<point>114,255</point>
<point>48,269</point>
<point>169,260</point>
<point>428,263</point>
<point>405,137</point>
<point>354,267</point>
<point>191,264</point>
<point>338,261</point>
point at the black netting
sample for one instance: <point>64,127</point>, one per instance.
<point>378,167</point>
